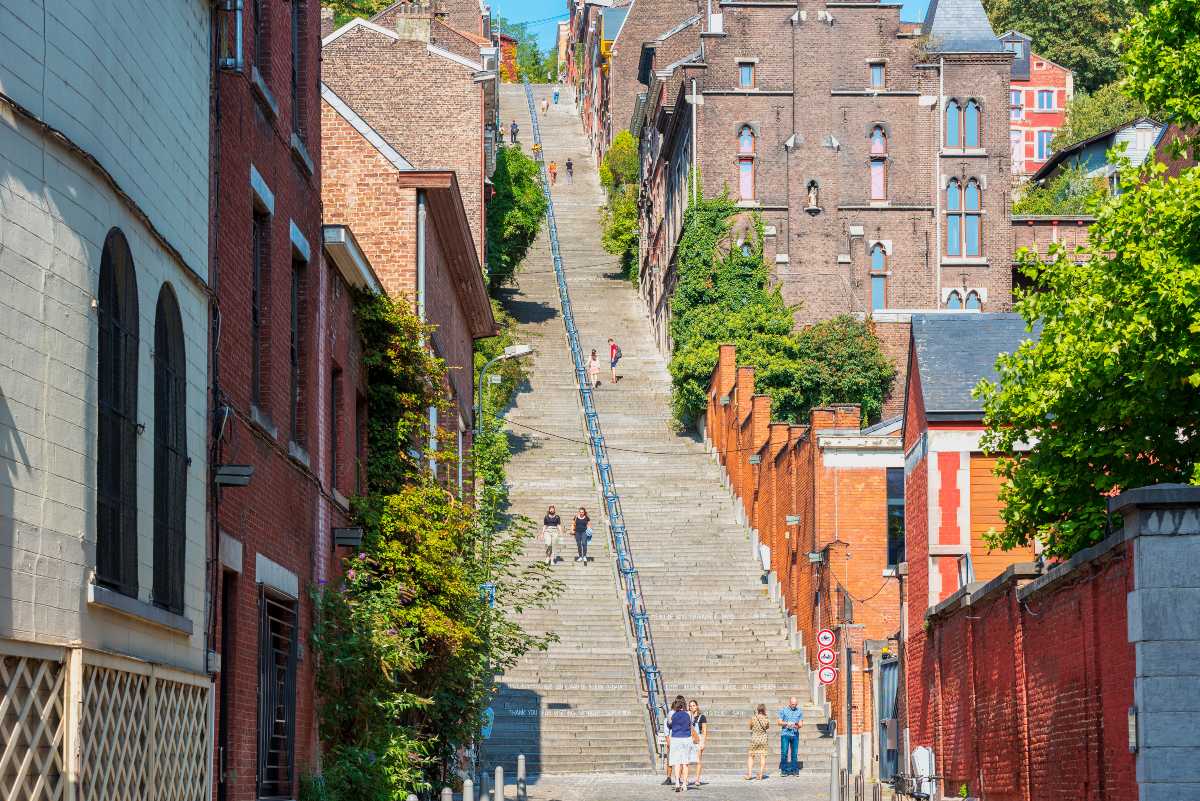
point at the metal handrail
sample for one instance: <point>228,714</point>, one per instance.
<point>631,584</point>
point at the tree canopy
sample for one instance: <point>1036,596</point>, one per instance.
<point>1110,392</point>
<point>532,63</point>
<point>619,218</point>
<point>1070,192</point>
<point>1078,34</point>
<point>1092,113</point>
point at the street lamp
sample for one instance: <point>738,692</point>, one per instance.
<point>511,352</point>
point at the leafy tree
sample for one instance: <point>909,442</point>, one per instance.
<point>619,218</point>
<point>621,164</point>
<point>723,295</point>
<point>1078,34</point>
<point>1110,392</point>
<point>1071,192</point>
<point>1089,114</point>
<point>514,214</point>
<point>531,62</point>
<point>346,10</point>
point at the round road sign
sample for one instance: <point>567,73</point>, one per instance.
<point>826,656</point>
<point>826,638</point>
<point>827,674</point>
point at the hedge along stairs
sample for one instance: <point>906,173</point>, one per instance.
<point>718,636</point>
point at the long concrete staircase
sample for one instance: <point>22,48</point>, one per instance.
<point>719,637</point>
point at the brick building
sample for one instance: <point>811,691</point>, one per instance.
<point>874,154</point>
<point>951,493</point>
<point>1038,101</point>
<point>595,25</point>
<point>268,383</point>
<point>413,195</point>
<point>104,469</point>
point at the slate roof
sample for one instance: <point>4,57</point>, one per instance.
<point>954,351</point>
<point>1059,156</point>
<point>959,26</point>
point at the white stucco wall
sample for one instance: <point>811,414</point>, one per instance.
<point>128,81</point>
<point>55,212</point>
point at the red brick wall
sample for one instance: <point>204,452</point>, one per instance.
<point>1024,698</point>
<point>840,508</point>
<point>1045,75</point>
<point>276,515</point>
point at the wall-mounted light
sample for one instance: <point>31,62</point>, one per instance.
<point>233,475</point>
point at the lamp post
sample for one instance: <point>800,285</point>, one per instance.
<point>511,352</point>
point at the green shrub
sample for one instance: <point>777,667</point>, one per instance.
<point>514,214</point>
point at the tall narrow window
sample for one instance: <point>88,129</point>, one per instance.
<point>746,75</point>
<point>297,66</point>
<point>878,165</point>
<point>953,218</point>
<point>954,300</point>
<point>297,350</point>
<point>1016,104</point>
<point>170,453</point>
<point>335,421</point>
<point>971,125</point>
<point>878,277</point>
<point>261,54</point>
<point>276,696</point>
<point>953,124</point>
<point>746,146</point>
<point>973,301</point>
<point>1043,144</point>
<point>972,223</point>
<point>260,255</point>
<point>116,445</point>
<point>895,515</point>
<point>878,76</point>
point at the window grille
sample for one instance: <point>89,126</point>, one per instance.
<point>277,653</point>
<point>116,452</point>
<point>170,454</point>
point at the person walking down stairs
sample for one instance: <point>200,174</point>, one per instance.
<point>583,533</point>
<point>593,369</point>
<point>551,531</point>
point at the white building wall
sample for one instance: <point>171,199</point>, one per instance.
<point>127,82</point>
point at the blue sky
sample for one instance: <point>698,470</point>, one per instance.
<point>527,10</point>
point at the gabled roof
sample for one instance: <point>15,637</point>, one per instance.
<point>1059,157</point>
<point>959,26</point>
<point>953,352</point>
<point>359,124</point>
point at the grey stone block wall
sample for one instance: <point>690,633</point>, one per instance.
<point>1163,523</point>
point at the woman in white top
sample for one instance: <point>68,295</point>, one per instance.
<point>699,730</point>
<point>593,370</point>
<point>551,531</point>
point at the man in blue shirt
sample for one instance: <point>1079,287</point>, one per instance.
<point>789,738</point>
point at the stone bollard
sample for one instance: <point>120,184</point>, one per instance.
<point>522,789</point>
<point>468,790</point>
<point>447,795</point>
<point>485,791</point>
<point>499,783</point>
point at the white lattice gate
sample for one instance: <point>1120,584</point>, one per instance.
<point>78,725</point>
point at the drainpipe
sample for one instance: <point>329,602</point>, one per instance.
<point>937,194</point>
<point>421,214</point>
<point>695,149</point>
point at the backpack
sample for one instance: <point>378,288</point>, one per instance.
<point>618,356</point>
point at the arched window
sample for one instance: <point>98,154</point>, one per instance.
<point>878,277</point>
<point>170,453</point>
<point>971,129</point>
<point>953,124</point>
<point>746,146</point>
<point>953,218</point>
<point>878,165</point>
<point>973,301</point>
<point>954,301</point>
<point>116,395</point>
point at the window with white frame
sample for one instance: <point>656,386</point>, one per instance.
<point>1045,99</point>
<point>1016,103</point>
<point>964,226</point>
<point>745,161</point>
<point>1043,144</point>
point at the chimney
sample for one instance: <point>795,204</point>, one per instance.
<point>328,25</point>
<point>413,20</point>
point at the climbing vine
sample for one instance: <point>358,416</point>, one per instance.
<point>514,214</point>
<point>406,641</point>
<point>619,216</point>
<point>723,295</point>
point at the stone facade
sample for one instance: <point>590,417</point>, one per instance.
<point>835,166</point>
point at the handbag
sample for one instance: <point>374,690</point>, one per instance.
<point>589,534</point>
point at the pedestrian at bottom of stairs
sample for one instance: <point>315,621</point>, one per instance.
<point>789,738</point>
<point>553,168</point>
<point>593,369</point>
<point>583,533</point>
<point>760,724</point>
<point>668,781</point>
<point>681,743</point>
<point>570,171</point>
<point>551,531</point>
<point>699,737</point>
<point>614,356</point>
